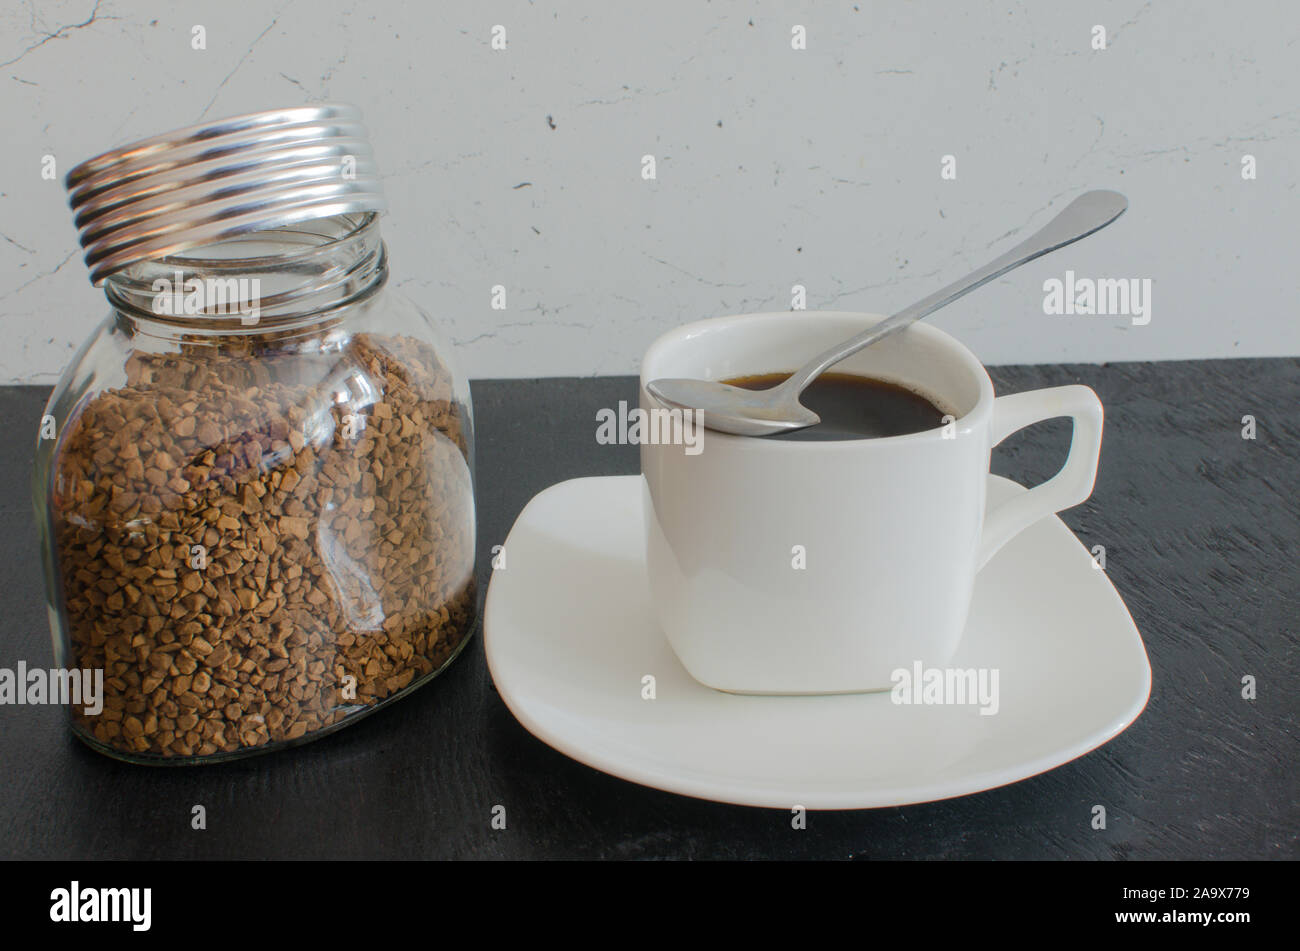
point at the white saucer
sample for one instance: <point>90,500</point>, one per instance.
<point>569,636</point>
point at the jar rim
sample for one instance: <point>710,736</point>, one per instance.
<point>308,272</point>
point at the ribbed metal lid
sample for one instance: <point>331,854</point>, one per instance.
<point>209,182</point>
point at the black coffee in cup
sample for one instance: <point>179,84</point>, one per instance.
<point>854,407</point>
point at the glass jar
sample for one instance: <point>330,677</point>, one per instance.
<point>256,495</point>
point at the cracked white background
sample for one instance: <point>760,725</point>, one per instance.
<point>775,167</point>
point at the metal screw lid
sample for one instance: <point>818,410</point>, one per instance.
<point>209,182</point>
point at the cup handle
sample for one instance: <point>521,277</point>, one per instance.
<point>1070,486</point>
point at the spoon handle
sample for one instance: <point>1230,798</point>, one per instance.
<point>1089,212</point>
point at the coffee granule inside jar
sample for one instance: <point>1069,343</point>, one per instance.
<point>256,541</point>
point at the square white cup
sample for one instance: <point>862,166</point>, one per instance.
<point>785,567</point>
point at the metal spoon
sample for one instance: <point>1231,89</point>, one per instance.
<point>731,409</point>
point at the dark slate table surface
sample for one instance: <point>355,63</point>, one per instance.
<point>1201,529</point>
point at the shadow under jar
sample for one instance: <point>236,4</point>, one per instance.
<point>260,526</point>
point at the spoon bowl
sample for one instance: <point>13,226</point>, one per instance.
<point>749,412</point>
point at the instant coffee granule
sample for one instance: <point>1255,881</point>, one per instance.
<point>256,541</point>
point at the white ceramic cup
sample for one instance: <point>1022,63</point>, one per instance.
<point>890,532</point>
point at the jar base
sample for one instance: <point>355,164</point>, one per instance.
<point>144,759</point>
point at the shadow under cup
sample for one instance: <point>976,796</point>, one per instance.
<point>792,567</point>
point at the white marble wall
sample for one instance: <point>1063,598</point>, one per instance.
<point>775,166</point>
